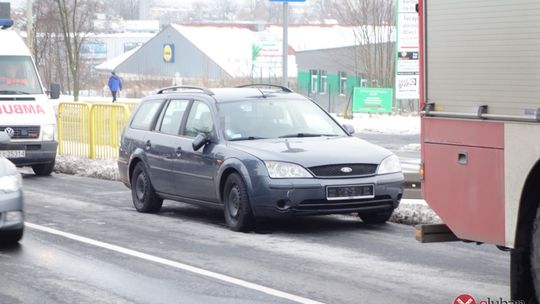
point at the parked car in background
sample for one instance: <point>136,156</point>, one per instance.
<point>11,200</point>
<point>254,151</point>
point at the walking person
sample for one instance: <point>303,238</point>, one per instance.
<point>115,85</point>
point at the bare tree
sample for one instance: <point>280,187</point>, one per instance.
<point>127,9</point>
<point>225,9</point>
<point>374,22</point>
<point>76,22</point>
<point>50,59</point>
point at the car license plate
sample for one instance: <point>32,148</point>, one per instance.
<point>350,192</point>
<point>13,153</point>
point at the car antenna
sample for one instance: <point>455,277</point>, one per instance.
<point>262,93</point>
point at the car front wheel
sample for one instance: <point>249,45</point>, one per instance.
<point>143,194</point>
<point>11,237</point>
<point>237,209</point>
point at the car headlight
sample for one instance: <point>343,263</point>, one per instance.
<point>49,132</point>
<point>10,183</point>
<point>390,164</point>
<point>286,170</point>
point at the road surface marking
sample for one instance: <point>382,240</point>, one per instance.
<point>193,269</point>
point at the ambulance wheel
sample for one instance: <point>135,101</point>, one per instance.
<point>43,169</point>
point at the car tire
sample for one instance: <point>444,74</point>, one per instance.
<point>43,169</point>
<point>143,194</point>
<point>11,237</point>
<point>376,218</point>
<point>534,252</point>
<point>236,207</point>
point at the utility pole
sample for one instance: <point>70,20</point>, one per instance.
<point>285,58</point>
<point>29,26</point>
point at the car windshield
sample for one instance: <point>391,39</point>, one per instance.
<point>275,118</point>
<point>18,76</point>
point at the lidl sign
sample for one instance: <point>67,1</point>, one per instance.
<point>372,100</point>
<point>168,52</point>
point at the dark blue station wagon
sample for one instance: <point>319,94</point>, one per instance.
<point>254,151</point>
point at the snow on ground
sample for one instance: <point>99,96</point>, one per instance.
<point>383,123</point>
<point>410,147</point>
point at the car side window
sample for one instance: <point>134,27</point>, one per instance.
<point>199,120</point>
<point>146,114</point>
<point>172,118</point>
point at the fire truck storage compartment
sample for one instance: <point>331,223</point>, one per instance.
<point>457,154</point>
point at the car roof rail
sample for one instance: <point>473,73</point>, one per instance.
<point>185,87</point>
<point>258,85</point>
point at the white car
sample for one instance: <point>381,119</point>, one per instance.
<point>11,200</point>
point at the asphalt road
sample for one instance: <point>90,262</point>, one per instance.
<point>85,243</point>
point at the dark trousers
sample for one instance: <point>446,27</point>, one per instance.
<point>113,95</point>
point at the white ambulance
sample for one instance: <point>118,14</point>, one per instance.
<point>26,113</point>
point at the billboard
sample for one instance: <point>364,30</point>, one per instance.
<point>93,51</point>
<point>407,57</point>
<point>372,100</point>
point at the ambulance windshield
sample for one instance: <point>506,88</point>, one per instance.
<point>18,76</point>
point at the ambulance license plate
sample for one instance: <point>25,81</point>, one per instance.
<point>13,153</point>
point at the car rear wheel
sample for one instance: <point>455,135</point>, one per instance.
<point>237,209</point>
<point>11,237</point>
<point>43,169</point>
<point>143,194</point>
<point>376,218</point>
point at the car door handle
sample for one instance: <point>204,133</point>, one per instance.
<point>148,145</point>
<point>178,151</point>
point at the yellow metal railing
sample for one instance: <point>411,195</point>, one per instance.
<point>74,129</point>
<point>91,130</point>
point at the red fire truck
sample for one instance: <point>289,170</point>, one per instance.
<point>480,93</point>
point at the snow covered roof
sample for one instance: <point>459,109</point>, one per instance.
<point>111,64</point>
<point>229,47</point>
<point>316,37</point>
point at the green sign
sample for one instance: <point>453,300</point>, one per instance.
<point>372,100</point>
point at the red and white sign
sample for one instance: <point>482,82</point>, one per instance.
<point>464,299</point>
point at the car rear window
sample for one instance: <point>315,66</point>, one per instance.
<point>146,114</point>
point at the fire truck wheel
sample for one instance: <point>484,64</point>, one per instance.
<point>376,218</point>
<point>535,255</point>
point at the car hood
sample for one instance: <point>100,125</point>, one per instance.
<point>315,151</point>
<point>6,167</point>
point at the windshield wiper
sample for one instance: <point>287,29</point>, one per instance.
<point>306,135</point>
<point>246,138</point>
<point>14,92</point>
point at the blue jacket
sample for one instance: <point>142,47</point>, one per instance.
<point>115,84</point>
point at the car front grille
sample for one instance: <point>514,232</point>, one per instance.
<point>23,132</point>
<point>381,202</point>
<point>344,170</point>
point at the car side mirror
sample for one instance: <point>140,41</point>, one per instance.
<point>199,141</point>
<point>4,137</point>
<point>349,129</point>
<point>54,92</point>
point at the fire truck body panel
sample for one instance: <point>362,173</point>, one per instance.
<point>480,88</point>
